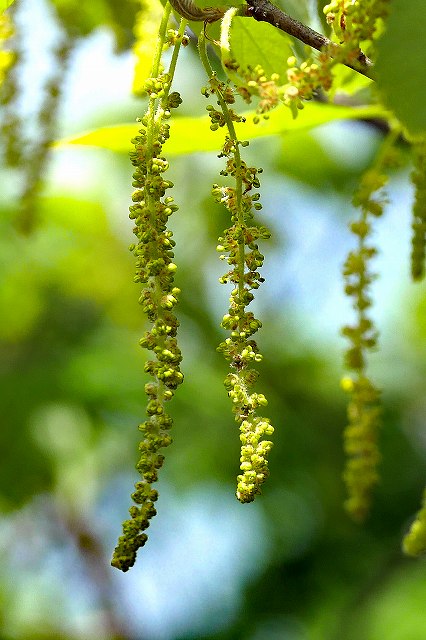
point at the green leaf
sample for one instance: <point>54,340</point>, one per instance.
<point>253,43</point>
<point>191,135</point>
<point>401,63</point>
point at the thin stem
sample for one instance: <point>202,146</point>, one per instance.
<point>175,54</point>
<point>237,157</point>
<point>155,72</point>
<point>228,121</point>
<point>160,41</point>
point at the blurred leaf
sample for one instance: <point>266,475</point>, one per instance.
<point>4,4</point>
<point>52,289</point>
<point>401,62</point>
<point>396,611</point>
<point>123,16</point>
<point>306,159</point>
<point>81,18</point>
<point>191,135</point>
<point>145,30</point>
<point>296,9</point>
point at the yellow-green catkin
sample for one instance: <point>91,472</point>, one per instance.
<point>414,542</point>
<point>361,433</point>
<point>418,240</point>
<point>239,248</point>
<point>155,271</point>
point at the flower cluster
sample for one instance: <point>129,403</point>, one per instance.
<point>418,241</point>
<point>238,246</point>
<point>306,79</point>
<point>361,434</point>
<point>256,82</point>
<point>356,26</point>
<point>414,543</point>
<point>302,83</point>
<point>356,23</point>
<point>155,271</point>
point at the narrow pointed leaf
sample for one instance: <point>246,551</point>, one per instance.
<point>191,135</point>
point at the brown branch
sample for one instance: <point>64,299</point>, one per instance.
<point>265,11</point>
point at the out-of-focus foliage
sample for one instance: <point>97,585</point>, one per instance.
<point>71,386</point>
<point>83,18</point>
<point>397,63</point>
<point>6,56</point>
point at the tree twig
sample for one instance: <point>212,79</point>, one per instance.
<point>265,11</point>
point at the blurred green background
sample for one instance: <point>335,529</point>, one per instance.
<point>291,566</point>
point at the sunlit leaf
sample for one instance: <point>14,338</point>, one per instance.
<point>190,135</point>
<point>255,44</point>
